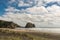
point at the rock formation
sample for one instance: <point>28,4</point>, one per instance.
<point>7,24</point>
<point>29,25</point>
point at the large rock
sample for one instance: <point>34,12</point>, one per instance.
<point>29,25</point>
<point>7,24</point>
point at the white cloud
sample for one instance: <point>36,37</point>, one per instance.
<point>46,20</point>
<point>11,9</point>
<point>44,2</point>
<point>42,17</point>
<point>51,1</point>
<point>37,10</point>
<point>11,1</point>
<point>28,3</point>
<point>54,9</point>
<point>21,3</point>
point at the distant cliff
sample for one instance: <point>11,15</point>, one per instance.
<point>8,24</point>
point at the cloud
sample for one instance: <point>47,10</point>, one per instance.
<point>11,1</point>
<point>12,9</point>
<point>46,20</point>
<point>51,1</point>
<point>38,14</point>
<point>37,10</point>
<point>54,9</point>
<point>23,3</point>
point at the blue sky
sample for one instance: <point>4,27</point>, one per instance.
<point>5,3</point>
<point>52,3</point>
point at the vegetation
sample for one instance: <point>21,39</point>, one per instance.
<point>7,24</point>
<point>12,34</point>
<point>29,25</point>
<point>12,25</point>
<point>9,34</point>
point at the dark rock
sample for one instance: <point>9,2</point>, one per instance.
<point>7,24</point>
<point>29,25</point>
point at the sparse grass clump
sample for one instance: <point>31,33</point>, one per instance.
<point>9,34</point>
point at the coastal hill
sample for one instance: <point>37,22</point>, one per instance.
<point>10,24</point>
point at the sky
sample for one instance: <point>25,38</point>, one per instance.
<point>43,13</point>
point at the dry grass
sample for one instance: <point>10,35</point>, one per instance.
<point>11,34</point>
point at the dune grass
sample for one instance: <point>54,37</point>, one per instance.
<point>6,34</point>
